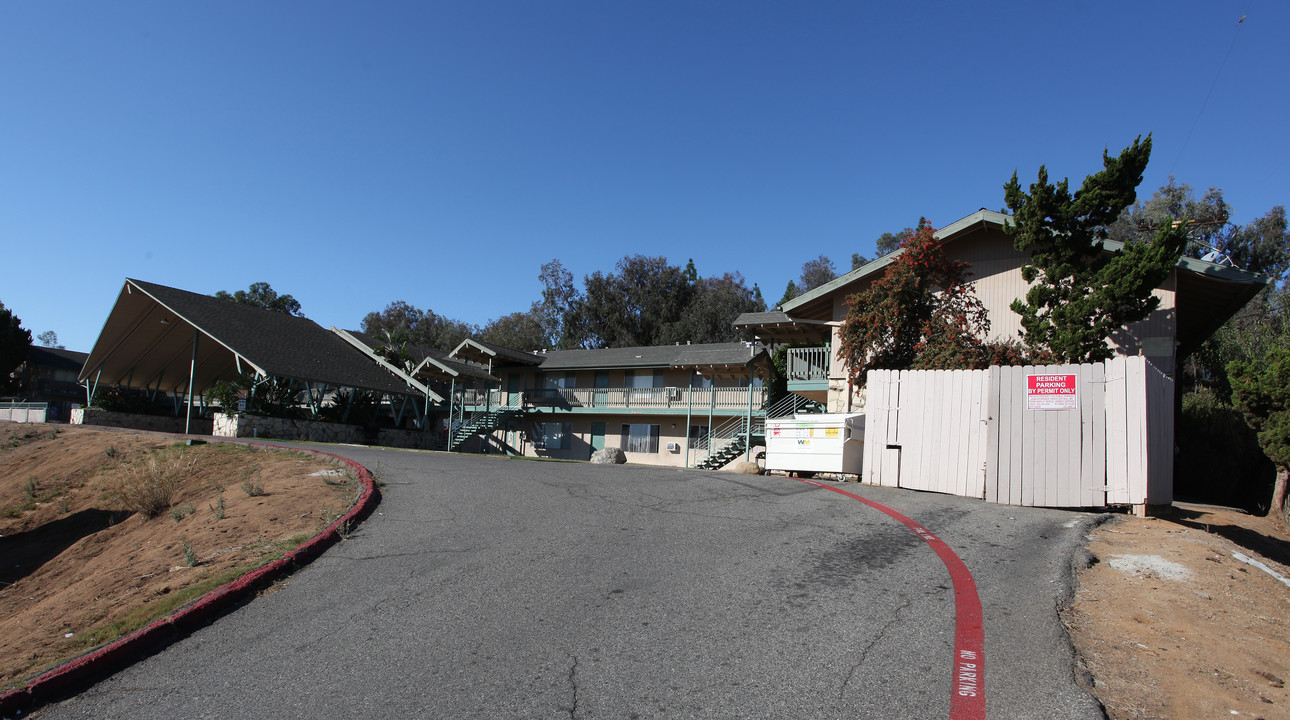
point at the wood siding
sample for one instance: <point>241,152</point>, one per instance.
<point>997,281</point>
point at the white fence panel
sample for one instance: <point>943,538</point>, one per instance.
<point>1160,422</point>
<point>924,429</point>
<point>971,433</point>
<point>1117,433</point>
<point>880,426</point>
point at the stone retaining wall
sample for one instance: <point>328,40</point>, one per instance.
<point>253,426</point>
<point>157,423</point>
<point>390,437</point>
<point>259,426</point>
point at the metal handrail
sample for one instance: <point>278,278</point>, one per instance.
<point>789,405</point>
<point>24,405</point>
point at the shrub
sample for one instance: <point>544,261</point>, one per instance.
<point>119,399</point>
<point>1218,455</point>
<point>225,395</point>
<point>150,486</point>
<point>251,484</point>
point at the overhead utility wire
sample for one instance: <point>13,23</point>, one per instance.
<point>1212,85</point>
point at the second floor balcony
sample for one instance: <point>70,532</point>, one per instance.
<point>808,371</point>
<point>623,399</point>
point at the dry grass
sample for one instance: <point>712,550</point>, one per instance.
<point>149,486</point>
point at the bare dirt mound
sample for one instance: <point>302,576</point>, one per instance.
<point>1176,619</point>
<point>83,565</point>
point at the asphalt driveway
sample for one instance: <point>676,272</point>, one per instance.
<point>492,588</point>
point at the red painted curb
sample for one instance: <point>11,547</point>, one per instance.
<point>967,696</point>
<point>142,642</point>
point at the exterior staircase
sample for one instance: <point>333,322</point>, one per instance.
<point>480,422</point>
<point>734,433</point>
<point>732,449</point>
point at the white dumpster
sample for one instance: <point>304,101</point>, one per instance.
<point>814,442</point>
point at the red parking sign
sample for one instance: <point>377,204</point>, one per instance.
<point>1051,392</point>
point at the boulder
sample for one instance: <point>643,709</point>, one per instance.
<point>746,468</point>
<point>609,456</point>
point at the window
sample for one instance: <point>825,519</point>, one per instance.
<point>698,436</point>
<point>552,435</point>
<point>552,381</point>
<point>643,378</point>
<point>639,437</point>
<point>643,384</point>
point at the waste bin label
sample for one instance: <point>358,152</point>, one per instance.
<point>804,431</point>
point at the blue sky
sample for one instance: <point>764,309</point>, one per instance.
<point>353,154</point>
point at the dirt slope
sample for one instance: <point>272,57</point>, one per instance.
<point>1172,623</point>
<point>80,569</point>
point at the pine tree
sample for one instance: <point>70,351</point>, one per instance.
<point>1259,390</point>
<point>15,341</point>
<point>1080,293</point>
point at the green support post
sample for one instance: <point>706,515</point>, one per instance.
<point>689,410</point>
<point>192,371</point>
<point>748,419</point>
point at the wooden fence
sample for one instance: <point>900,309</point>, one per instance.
<point>1085,435</point>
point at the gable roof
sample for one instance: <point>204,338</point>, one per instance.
<point>1207,293</point>
<point>429,363</point>
<point>706,355</point>
<point>784,328</point>
<point>147,341</point>
<point>485,352</point>
<point>56,358</point>
<point>809,304</point>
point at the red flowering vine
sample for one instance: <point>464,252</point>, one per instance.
<point>920,314</point>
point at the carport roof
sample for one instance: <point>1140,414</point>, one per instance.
<point>147,341</point>
<point>430,363</point>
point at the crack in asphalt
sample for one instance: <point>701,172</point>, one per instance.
<point>418,553</point>
<point>864,654</point>
<point>573,683</point>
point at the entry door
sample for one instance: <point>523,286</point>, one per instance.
<point>513,382</point>
<point>597,436</point>
<point>602,395</point>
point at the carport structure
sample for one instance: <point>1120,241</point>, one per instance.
<point>435,373</point>
<point>160,338</point>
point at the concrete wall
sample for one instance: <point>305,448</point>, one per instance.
<point>35,415</point>
<point>156,423</point>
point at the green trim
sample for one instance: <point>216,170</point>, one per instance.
<point>807,385</point>
<point>630,412</point>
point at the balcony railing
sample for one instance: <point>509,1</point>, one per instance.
<point>811,363</point>
<point>496,399</point>
<point>678,398</point>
